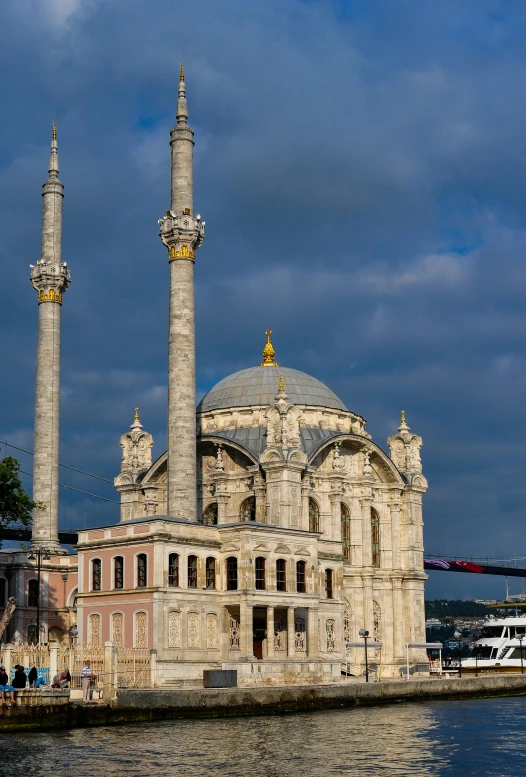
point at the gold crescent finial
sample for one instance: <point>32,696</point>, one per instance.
<point>403,417</point>
<point>181,71</point>
<point>136,414</point>
<point>280,387</point>
<point>268,352</point>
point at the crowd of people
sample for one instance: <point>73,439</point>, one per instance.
<point>21,680</point>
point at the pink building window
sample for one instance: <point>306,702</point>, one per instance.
<point>118,572</point>
<point>96,574</point>
<point>142,570</point>
<point>173,569</point>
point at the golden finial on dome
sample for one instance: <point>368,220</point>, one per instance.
<point>280,387</point>
<point>402,419</point>
<point>136,418</point>
<point>268,352</point>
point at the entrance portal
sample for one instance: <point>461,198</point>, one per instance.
<point>259,632</point>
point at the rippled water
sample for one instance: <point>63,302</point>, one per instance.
<point>480,737</point>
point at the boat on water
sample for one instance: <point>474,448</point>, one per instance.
<point>500,649</point>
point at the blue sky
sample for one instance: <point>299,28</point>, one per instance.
<point>361,169</point>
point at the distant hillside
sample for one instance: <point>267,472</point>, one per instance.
<point>455,608</point>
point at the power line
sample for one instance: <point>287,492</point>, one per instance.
<point>79,490</point>
<point>67,466</point>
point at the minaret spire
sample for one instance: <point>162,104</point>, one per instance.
<point>182,233</point>
<point>50,278</point>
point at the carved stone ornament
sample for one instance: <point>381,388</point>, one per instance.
<point>136,448</point>
<point>405,449</point>
<point>283,426</point>
<point>50,280</point>
<point>182,235</point>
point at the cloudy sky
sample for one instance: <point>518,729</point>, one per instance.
<point>361,167</point>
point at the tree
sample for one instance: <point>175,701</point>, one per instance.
<point>16,506</point>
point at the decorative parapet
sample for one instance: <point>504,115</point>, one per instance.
<point>181,234</point>
<point>50,280</point>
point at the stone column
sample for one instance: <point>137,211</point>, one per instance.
<point>246,612</point>
<point>222,501</point>
<point>312,632</point>
<point>50,278</point>
<point>270,632</point>
<point>291,633</point>
<point>398,620</point>
<point>260,497</point>
<point>305,491</point>
<point>181,232</point>
<point>396,523</point>
<point>110,671</point>
<point>53,660</point>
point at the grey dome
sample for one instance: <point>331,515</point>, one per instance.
<point>259,386</point>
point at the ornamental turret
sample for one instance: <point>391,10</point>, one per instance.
<point>182,232</point>
<point>50,278</point>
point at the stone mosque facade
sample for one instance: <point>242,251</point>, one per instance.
<point>269,533</point>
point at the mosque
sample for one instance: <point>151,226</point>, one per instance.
<point>268,534</point>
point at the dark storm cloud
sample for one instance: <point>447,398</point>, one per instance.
<point>361,168</point>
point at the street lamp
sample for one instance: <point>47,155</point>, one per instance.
<point>39,555</point>
<point>363,633</point>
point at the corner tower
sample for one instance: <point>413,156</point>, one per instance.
<point>182,232</point>
<point>50,278</point>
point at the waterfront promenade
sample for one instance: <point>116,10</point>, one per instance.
<point>158,704</point>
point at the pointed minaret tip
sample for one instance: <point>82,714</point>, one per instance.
<point>181,71</point>
<point>54,134</point>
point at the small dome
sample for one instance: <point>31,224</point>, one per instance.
<point>259,386</point>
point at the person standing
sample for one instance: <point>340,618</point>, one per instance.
<point>5,685</point>
<point>86,676</point>
<point>19,681</point>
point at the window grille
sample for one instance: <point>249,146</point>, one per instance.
<point>300,577</point>
<point>231,573</point>
<point>210,572</point>
<point>96,570</point>
<point>118,580</point>
<point>260,573</point>
<point>173,569</point>
<point>142,570</point>
<point>192,571</point>
<point>281,574</point>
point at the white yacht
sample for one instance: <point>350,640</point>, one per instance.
<point>499,648</point>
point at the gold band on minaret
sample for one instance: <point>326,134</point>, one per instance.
<point>54,129</point>
<point>268,352</point>
<point>181,71</point>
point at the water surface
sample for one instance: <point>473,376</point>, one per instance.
<point>483,737</point>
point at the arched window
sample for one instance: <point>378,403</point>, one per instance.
<point>192,571</point>
<point>328,583</point>
<point>300,577</point>
<point>231,573</point>
<point>142,570</point>
<point>210,515</point>
<point>32,593</point>
<point>173,569</point>
<point>118,572</point>
<point>96,573</point>
<point>281,574</point>
<point>346,532</point>
<point>210,572</point>
<point>314,515</point>
<point>375,537</point>
<point>260,573</point>
<point>247,511</point>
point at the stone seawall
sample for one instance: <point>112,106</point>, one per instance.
<point>156,704</point>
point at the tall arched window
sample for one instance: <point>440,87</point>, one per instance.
<point>173,569</point>
<point>142,570</point>
<point>210,572</point>
<point>300,577</point>
<point>96,572</point>
<point>32,593</point>
<point>346,532</point>
<point>328,583</point>
<point>192,571</point>
<point>210,514</point>
<point>375,537</point>
<point>314,515</point>
<point>281,574</point>
<point>260,573</point>
<point>247,511</point>
<point>231,573</point>
<point>118,572</point>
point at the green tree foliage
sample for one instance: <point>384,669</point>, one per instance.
<point>455,608</point>
<point>16,505</point>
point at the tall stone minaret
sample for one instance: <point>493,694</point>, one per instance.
<point>182,232</point>
<point>50,278</point>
